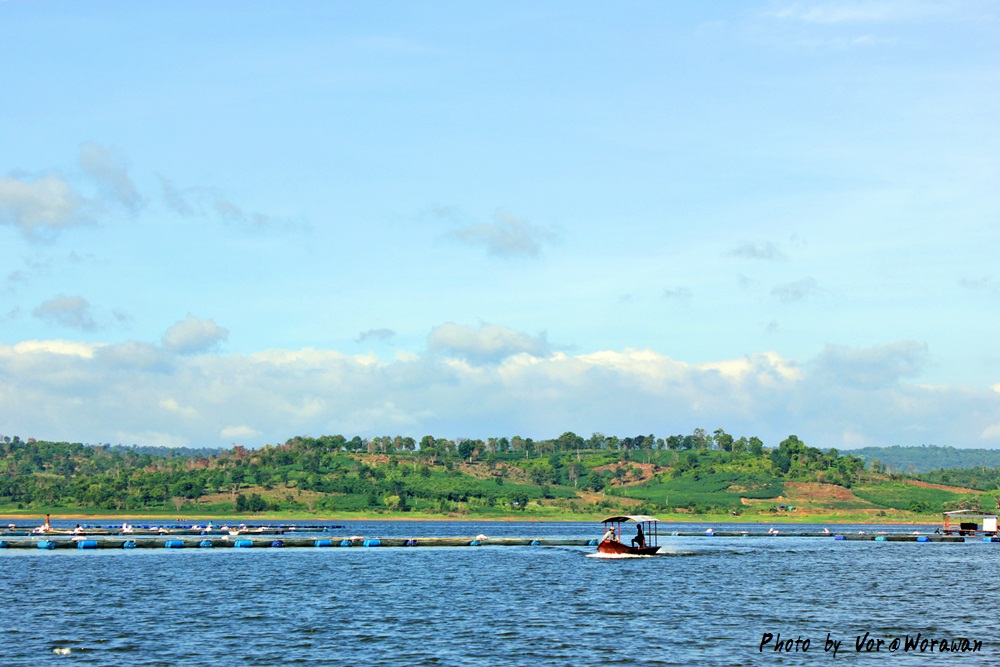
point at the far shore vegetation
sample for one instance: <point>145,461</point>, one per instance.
<point>698,477</point>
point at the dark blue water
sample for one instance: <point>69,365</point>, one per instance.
<point>708,601</point>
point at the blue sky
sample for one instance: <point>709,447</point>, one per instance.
<point>235,222</point>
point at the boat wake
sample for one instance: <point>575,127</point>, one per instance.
<point>619,556</point>
<point>664,551</point>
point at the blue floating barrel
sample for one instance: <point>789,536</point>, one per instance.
<point>475,543</point>
<point>374,542</point>
<point>128,544</point>
<point>346,543</point>
<point>277,544</point>
<point>322,543</point>
<point>410,543</point>
<point>243,544</point>
<point>839,537</point>
<point>3,544</point>
<point>86,544</point>
<point>991,539</point>
<point>173,544</point>
<point>923,538</point>
<point>206,544</point>
<point>881,538</point>
<point>535,543</point>
<point>592,542</point>
<point>46,544</point>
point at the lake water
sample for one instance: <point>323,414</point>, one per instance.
<point>709,601</point>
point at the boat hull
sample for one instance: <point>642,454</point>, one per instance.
<point>612,547</point>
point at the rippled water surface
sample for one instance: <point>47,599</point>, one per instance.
<point>707,601</point>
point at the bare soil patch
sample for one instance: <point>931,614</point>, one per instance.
<point>943,487</point>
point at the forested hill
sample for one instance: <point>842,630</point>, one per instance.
<point>924,458</point>
<point>697,473</point>
<point>569,476</point>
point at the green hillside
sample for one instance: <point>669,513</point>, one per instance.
<point>567,477</point>
<point>925,458</point>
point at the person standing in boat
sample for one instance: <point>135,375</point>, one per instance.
<point>45,527</point>
<point>639,539</point>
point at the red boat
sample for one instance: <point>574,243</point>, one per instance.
<point>643,543</point>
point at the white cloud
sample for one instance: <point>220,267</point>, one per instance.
<point>40,207</point>
<point>506,236</point>
<point>134,354</point>
<point>171,404</point>
<point>239,432</point>
<point>104,167</point>
<point>193,335</point>
<point>843,398</point>
<point>991,432</point>
<point>873,367</point>
<point>68,311</point>
<point>64,347</point>
<point>488,343</point>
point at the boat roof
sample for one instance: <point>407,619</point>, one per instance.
<point>638,518</point>
<point>977,514</point>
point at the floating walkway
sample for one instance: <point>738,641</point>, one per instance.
<point>49,543</point>
<point>246,541</point>
<point>146,531</point>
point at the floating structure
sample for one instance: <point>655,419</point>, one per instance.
<point>966,522</point>
<point>150,530</point>
<point>245,541</point>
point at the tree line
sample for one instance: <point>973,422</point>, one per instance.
<point>397,473</point>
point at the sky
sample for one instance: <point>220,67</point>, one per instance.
<point>237,222</point>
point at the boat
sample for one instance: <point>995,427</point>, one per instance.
<point>614,543</point>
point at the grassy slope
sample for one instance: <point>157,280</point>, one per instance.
<point>876,502</point>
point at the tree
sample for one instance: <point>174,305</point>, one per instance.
<point>723,440</point>
<point>595,482</point>
<point>518,500</point>
<point>465,449</point>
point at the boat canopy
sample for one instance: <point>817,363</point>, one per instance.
<point>638,518</point>
<point>970,514</point>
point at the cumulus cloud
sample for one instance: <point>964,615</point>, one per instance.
<point>40,207</point>
<point>193,335</point>
<point>506,236</point>
<point>873,367</point>
<point>68,311</point>
<point>843,397</point>
<point>135,355</point>
<point>486,344</point>
<point>106,169</point>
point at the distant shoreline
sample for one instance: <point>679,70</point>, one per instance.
<point>263,519</point>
